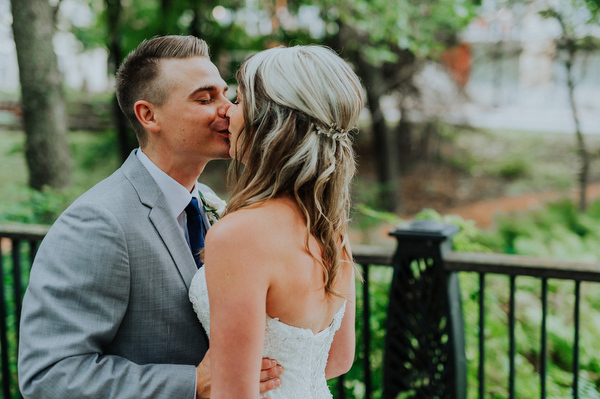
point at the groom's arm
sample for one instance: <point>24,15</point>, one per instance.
<point>78,295</point>
<point>269,376</point>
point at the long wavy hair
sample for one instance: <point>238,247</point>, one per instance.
<point>300,105</point>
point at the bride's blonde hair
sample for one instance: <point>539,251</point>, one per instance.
<point>300,106</point>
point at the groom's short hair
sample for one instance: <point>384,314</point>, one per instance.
<point>138,77</point>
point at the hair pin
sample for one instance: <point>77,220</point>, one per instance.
<point>334,132</point>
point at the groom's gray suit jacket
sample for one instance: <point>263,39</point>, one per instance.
<point>106,313</point>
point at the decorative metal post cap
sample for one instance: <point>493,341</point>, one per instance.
<point>425,229</point>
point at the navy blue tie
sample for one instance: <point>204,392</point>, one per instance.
<point>194,226</point>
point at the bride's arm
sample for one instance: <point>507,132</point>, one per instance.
<point>341,353</point>
<point>237,287</point>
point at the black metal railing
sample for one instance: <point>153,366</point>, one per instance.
<point>424,348</point>
<point>514,266</point>
<point>425,340</point>
<point>367,257</point>
<point>20,241</point>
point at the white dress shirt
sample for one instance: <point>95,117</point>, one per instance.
<point>176,195</point>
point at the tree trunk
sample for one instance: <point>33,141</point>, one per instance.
<point>43,102</point>
<point>584,157</point>
<point>125,134</point>
<point>385,153</point>
<point>496,56</point>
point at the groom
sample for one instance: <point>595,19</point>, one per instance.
<point>106,313</point>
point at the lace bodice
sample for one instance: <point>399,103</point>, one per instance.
<point>302,353</point>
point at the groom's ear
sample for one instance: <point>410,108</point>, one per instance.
<point>145,112</point>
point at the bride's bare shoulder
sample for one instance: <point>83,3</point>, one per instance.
<point>254,224</point>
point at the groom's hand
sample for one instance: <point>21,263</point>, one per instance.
<point>203,378</point>
<point>269,376</point>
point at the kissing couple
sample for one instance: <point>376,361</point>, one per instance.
<point>118,299</point>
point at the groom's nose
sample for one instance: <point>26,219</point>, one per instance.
<point>224,105</point>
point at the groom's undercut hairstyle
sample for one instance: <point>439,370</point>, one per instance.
<point>139,76</point>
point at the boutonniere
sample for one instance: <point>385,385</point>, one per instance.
<point>213,206</point>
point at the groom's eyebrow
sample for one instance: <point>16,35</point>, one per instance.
<point>202,89</point>
<point>208,88</point>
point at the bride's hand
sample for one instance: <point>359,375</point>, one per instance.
<point>269,375</point>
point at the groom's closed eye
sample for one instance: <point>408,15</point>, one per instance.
<point>207,94</point>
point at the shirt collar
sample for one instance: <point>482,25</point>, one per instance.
<point>176,195</point>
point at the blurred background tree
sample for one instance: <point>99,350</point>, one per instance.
<point>388,45</point>
<point>42,96</point>
<point>386,42</point>
<point>577,19</point>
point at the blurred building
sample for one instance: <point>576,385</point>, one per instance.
<point>507,72</point>
<point>518,79</point>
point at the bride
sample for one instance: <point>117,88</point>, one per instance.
<point>278,270</point>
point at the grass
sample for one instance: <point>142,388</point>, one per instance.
<point>529,161</point>
<point>94,158</point>
<point>511,162</point>
<point>14,173</point>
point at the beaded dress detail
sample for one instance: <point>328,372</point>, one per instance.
<point>302,353</point>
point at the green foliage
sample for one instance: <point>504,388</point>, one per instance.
<point>41,207</point>
<point>380,278</point>
<point>558,228</point>
<point>139,20</point>
<point>558,231</point>
<point>11,319</point>
<point>464,162</point>
<point>94,155</point>
<point>365,216</point>
<point>468,239</point>
<point>423,27</point>
<point>593,6</point>
<point>513,168</point>
<point>574,16</point>
<point>367,219</point>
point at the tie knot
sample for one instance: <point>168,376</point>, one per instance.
<point>192,209</point>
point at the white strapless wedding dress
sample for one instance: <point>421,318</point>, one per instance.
<point>302,353</point>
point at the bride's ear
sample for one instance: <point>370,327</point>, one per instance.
<point>145,112</point>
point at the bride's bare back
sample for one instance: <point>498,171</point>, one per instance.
<point>296,295</point>
<point>257,264</point>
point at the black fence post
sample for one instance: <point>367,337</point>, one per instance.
<point>5,363</point>
<point>424,344</point>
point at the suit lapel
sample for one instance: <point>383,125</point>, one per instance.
<point>161,217</point>
<point>172,236</point>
